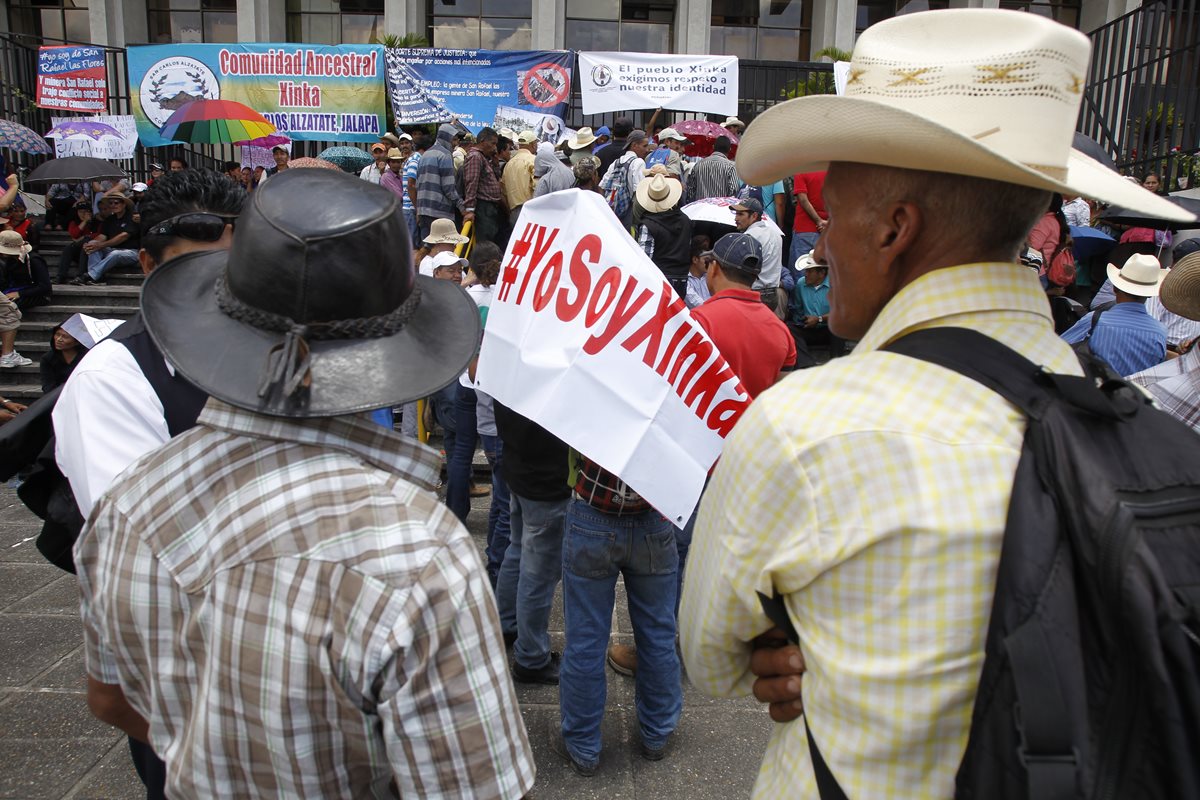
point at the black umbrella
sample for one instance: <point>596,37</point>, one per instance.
<point>1093,149</point>
<point>1137,219</point>
<point>74,169</point>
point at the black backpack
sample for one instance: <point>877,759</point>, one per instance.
<point>1091,678</point>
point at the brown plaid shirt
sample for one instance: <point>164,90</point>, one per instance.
<point>296,615</point>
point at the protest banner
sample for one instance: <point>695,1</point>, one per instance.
<point>624,81</point>
<point>308,92</point>
<point>585,337</point>
<point>436,84</point>
<point>110,148</point>
<point>548,127</point>
<point>72,78</point>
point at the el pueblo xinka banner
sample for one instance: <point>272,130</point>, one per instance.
<point>622,81</point>
<point>71,78</point>
<point>313,92</point>
<point>435,84</point>
<point>587,338</point>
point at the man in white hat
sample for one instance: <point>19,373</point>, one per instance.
<point>1125,335</point>
<point>581,143</point>
<point>664,232</point>
<point>443,238</point>
<point>1175,383</point>
<point>734,125</point>
<point>885,545</point>
<point>517,178</point>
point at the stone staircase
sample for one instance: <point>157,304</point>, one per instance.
<point>117,300</point>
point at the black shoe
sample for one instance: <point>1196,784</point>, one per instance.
<point>510,639</point>
<point>547,675</point>
<point>653,753</point>
<point>560,747</point>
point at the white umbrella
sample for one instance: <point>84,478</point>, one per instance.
<point>719,210</point>
<point>89,330</point>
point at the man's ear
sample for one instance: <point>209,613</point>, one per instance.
<point>146,261</point>
<point>899,229</point>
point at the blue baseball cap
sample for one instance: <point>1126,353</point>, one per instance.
<point>738,251</point>
<point>604,131</point>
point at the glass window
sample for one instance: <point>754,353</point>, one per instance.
<point>505,34</point>
<point>593,9</point>
<point>1066,11</point>
<point>591,35</point>
<point>50,19</point>
<point>456,8</point>
<point>456,34</point>
<point>772,30</point>
<point>331,21</point>
<point>507,8</point>
<point>192,21</point>
<point>645,37</point>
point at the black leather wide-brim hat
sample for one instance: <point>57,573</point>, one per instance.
<point>316,309</point>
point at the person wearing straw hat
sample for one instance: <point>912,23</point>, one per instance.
<point>955,128</point>
<point>1125,335</point>
<point>118,242</point>
<point>1175,383</point>
<point>581,143</point>
<point>286,513</point>
<point>517,179</point>
<point>11,246</point>
<point>664,232</point>
<point>443,238</point>
<point>734,125</point>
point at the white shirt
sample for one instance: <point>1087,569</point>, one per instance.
<point>1077,212</point>
<point>107,417</point>
<point>371,173</point>
<point>771,244</point>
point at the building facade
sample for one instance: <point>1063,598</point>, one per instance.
<point>770,30</point>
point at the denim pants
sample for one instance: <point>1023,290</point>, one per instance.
<point>499,522</point>
<point>105,259</point>
<point>410,217</point>
<point>641,548</point>
<point>531,570</point>
<point>460,457</point>
<point>443,411</point>
<point>802,243</point>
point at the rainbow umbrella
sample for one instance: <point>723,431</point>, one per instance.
<point>215,121</point>
<point>16,136</point>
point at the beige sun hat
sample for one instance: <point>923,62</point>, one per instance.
<point>395,155</point>
<point>13,244</point>
<point>980,92</point>
<point>1141,275</point>
<point>1180,292</point>
<point>443,231</point>
<point>733,121</point>
<point>582,138</point>
<point>526,137</point>
<point>658,193</point>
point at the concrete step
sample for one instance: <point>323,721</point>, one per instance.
<point>25,392</point>
<point>58,312</point>
<point>97,296</point>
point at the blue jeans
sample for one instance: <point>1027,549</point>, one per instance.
<point>596,547</point>
<point>410,216</point>
<point>105,259</point>
<point>499,522</point>
<point>802,243</point>
<point>443,412</point>
<point>531,570</point>
<point>460,457</point>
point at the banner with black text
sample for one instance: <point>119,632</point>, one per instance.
<point>627,81</point>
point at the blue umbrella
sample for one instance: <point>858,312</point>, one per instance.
<point>1090,242</point>
<point>350,159</point>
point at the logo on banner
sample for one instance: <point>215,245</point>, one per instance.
<point>545,85</point>
<point>174,82</point>
<point>601,75</point>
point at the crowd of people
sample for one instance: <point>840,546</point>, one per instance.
<point>279,594</point>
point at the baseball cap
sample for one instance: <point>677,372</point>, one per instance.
<point>604,131</point>
<point>634,137</point>
<point>448,258</point>
<point>526,137</point>
<point>139,187</point>
<point>671,133</point>
<point>738,251</point>
<point>404,137</point>
<point>749,204</point>
<point>157,166</point>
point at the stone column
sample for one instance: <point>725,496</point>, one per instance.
<point>108,23</point>
<point>833,24</point>
<point>548,25</point>
<point>693,21</point>
<point>262,20</point>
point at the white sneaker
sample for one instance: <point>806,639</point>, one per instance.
<point>14,359</point>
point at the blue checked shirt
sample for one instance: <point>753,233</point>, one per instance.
<point>1127,337</point>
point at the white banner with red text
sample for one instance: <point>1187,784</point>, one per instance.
<point>625,81</point>
<point>586,338</point>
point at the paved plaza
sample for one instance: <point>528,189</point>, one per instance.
<point>51,747</point>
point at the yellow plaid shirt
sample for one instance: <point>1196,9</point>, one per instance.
<point>872,492</point>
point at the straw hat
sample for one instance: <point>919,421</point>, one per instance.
<point>1141,275</point>
<point>582,138</point>
<point>737,123</point>
<point>443,231</point>
<point>13,244</point>
<point>394,154</point>
<point>658,193</point>
<point>980,92</point>
<point>1180,292</point>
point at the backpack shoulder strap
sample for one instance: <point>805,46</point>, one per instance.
<point>982,359</point>
<point>1095,321</point>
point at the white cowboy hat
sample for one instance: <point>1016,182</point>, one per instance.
<point>443,231</point>
<point>658,193</point>
<point>806,261</point>
<point>979,92</point>
<point>582,138</point>
<point>733,121</point>
<point>13,244</point>
<point>1141,275</point>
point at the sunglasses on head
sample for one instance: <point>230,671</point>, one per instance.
<point>199,226</point>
